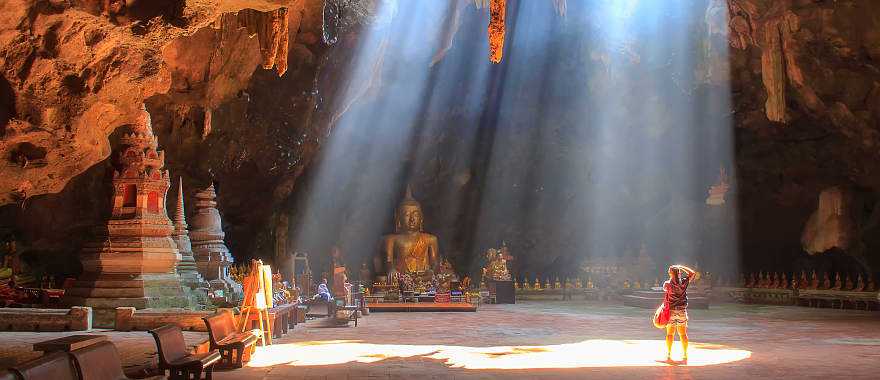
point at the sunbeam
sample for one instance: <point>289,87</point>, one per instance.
<point>586,354</point>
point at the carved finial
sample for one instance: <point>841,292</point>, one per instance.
<point>408,195</point>
<point>179,216</point>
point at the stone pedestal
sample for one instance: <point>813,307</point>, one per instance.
<point>132,262</point>
<point>503,291</point>
<point>211,255</point>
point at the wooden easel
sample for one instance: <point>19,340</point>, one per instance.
<point>258,299</point>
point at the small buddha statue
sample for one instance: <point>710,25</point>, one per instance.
<point>557,284</point>
<point>762,280</point>
<point>537,283</point>
<point>568,284</point>
<point>516,283</point>
<point>637,285</point>
<point>870,287</point>
<point>365,273</point>
<point>848,285</point>
<point>837,283</point>
<point>752,282</point>
<point>794,282</point>
<point>547,283</point>
<point>814,281</point>
<point>577,283</point>
<point>589,282</point>
<point>783,281</point>
<point>626,284</point>
<point>860,284</point>
<point>525,284</point>
<point>774,281</point>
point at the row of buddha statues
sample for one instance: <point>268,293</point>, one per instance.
<point>577,283</point>
<point>775,280</point>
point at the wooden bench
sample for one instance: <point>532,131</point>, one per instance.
<point>99,361</point>
<point>54,366</point>
<point>224,337</point>
<point>173,355</point>
<point>354,309</point>
<point>69,343</point>
<point>128,319</point>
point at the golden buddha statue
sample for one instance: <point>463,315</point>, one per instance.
<point>547,283</point>
<point>814,281</point>
<point>496,267</point>
<point>409,250</point>
<point>589,283</point>
<point>537,284</point>
<point>557,284</point>
<point>525,284</point>
<point>860,284</point>
<point>577,283</point>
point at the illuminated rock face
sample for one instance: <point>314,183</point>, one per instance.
<point>133,260</point>
<point>211,255</point>
<point>831,225</point>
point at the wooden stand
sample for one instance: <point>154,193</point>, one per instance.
<point>257,301</point>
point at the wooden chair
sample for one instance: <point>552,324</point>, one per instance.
<point>225,338</point>
<point>174,356</point>
<point>99,361</point>
<point>54,366</point>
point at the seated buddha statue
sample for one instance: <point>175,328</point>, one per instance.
<point>496,268</point>
<point>409,250</point>
<point>860,284</point>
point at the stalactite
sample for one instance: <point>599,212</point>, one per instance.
<point>271,29</point>
<point>453,23</point>
<point>497,10</point>
<point>773,73</point>
<point>206,128</point>
<point>561,7</point>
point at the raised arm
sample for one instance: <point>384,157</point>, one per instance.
<point>692,274</point>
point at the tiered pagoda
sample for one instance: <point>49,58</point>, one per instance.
<point>211,254</point>
<point>186,267</point>
<point>132,262</point>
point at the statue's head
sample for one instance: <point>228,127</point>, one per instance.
<point>409,214</point>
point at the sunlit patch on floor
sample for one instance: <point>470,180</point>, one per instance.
<point>589,353</point>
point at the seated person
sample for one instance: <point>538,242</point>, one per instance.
<point>323,293</point>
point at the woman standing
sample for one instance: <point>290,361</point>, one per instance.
<point>680,277</point>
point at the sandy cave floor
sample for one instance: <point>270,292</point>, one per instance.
<point>547,340</point>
